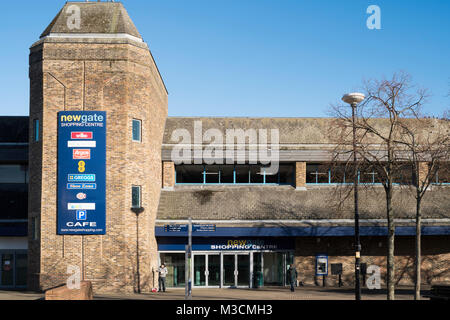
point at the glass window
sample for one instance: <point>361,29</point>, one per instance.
<point>7,271</point>
<point>443,173</point>
<point>256,174</point>
<point>317,173</point>
<point>35,228</point>
<point>227,174</point>
<point>189,173</point>
<point>13,173</point>
<point>242,174</point>
<point>136,197</point>
<point>36,130</point>
<point>212,174</point>
<point>137,130</point>
<point>175,263</point>
<point>338,174</point>
<point>21,270</point>
<point>403,174</point>
<point>287,174</point>
<point>272,177</point>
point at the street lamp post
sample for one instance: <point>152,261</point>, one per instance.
<point>353,99</point>
<point>137,211</point>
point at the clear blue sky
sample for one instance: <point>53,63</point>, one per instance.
<point>274,58</point>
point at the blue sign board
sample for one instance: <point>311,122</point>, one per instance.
<point>82,173</point>
<point>226,244</point>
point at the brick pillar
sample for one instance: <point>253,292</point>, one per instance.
<point>423,170</point>
<point>96,68</point>
<point>168,175</point>
<point>300,175</point>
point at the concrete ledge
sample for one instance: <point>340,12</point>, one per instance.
<point>64,293</point>
<point>300,189</point>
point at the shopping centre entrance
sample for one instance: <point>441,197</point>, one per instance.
<point>229,269</point>
<point>227,263</point>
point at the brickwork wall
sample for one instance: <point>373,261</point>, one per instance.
<point>423,170</point>
<point>168,175</point>
<point>122,79</point>
<point>435,264</point>
<point>300,175</point>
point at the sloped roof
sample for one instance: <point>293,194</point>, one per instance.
<point>285,203</point>
<point>291,130</point>
<point>95,18</point>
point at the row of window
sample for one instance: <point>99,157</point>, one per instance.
<point>234,174</point>
<point>315,174</point>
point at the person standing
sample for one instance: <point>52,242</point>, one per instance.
<point>162,277</point>
<point>293,275</point>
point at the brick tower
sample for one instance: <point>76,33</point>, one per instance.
<point>92,58</point>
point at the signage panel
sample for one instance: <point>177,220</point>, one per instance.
<point>81,173</point>
<point>195,228</point>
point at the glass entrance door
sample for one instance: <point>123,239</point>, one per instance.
<point>243,270</point>
<point>236,270</point>
<point>7,270</point>
<point>213,270</point>
<point>206,270</point>
<point>229,270</point>
<point>199,270</point>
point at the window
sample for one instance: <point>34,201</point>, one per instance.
<point>316,174</point>
<point>212,174</point>
<point>234,174</point>
<point>242,174</point>
<point>35,228</point>
<point>135,196</point>
<point>137,130</point>
<point>13,173</point>
<point>36,130</point>
<point>443,173</point>
<point>189,174</point>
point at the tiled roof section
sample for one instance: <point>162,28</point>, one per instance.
<point>291,130</point>
<point>285,203</point>
<point>14,129</point>
<point>96,17</point>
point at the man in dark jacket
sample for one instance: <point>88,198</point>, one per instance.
<point>292,274</point>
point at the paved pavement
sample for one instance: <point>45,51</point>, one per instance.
<point>303,293</point>
<point>274,293</point>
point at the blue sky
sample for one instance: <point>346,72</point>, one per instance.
<point>258,58</point>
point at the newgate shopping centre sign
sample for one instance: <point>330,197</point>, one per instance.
<point>81,173</point>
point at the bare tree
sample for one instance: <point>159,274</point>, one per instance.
<point>427,144</point>
<point>379,128</point>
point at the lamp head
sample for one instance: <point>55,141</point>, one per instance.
<point>353,98</point>
<point>137,211</point>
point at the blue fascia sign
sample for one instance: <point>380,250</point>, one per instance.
<point>195,228</point>
<point>81,173</point>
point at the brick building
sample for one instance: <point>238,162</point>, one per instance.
<point>250,223</point>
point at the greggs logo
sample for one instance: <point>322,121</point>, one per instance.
<point>82,154</point>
